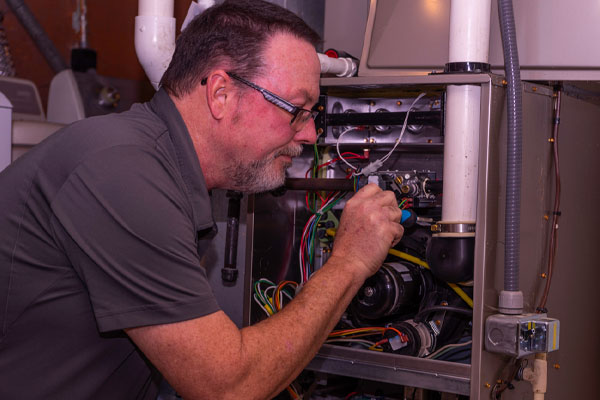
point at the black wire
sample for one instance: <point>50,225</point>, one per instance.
<point>413,394</point>
<point>457,310</point>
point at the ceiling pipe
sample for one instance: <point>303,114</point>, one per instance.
<point>155,39</point>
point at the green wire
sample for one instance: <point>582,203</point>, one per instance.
<point>324,211</point>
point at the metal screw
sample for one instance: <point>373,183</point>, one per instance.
<point>543,275</point>
<point>368,291</point>
<point>534,89</point>
<point>398,103</point>
<point>438,322</point>
<point>556,366</point>
<point>444,303</point>
<point>436,103</point>
<point>372,103</point>
<point>372,140</point>
<point>551,140</point>
<point>319,131</point>
<point>499,381</point>
<point>366,140</point>
<point>320,108</point>
<point>504,82</point>
<point>429,141</point>
<point>487,385</point>
<point>546,217</point>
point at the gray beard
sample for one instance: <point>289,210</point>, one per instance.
<point>259,175</point>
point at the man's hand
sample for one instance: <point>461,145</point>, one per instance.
<point>369,226</point>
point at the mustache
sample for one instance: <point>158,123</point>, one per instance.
<point>293,150</point>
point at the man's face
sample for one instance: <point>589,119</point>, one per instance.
<point>263,142</point>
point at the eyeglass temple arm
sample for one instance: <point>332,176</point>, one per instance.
<point>271,98</point>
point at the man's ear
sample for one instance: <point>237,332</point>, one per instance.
<point>218,93</point>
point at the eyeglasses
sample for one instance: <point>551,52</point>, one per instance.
<point>300,116</point>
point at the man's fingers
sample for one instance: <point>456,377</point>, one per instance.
<point>399,231</point>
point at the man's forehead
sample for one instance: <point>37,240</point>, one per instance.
<point>292,64</point>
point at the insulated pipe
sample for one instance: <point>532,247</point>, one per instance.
<point>155,37</point>
<point>37,33</point>
<point>511,296</point>
<point>342,66</point>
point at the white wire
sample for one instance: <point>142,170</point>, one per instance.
<point>361,341</point>
<point>385,158</point>
<point>448,346</point>
<point>375,165</point>
<point>337,147</point>
<point>260,291</point>
<point>260,305</point>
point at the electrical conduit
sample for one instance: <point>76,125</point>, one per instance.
<point>511,299</point>
<point>37,33</point>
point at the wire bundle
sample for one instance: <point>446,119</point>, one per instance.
<point>271,303</point>
<point>327,202</point>
<point>453,352</point>
<point>311,197</point>
<point>361,336</point>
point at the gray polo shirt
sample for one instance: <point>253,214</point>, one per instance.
<point>102,228</point>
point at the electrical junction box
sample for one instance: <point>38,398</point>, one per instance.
<point>521,335</point>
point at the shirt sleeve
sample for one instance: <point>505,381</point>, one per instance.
<point>126,224</point>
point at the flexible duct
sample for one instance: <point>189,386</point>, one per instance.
<point>514,161</point>
<point>38,35</point>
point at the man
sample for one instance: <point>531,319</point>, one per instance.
<point>101,286</point>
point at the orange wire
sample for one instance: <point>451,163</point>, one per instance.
<point>278,306</point>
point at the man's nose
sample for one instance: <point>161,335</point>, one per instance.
<point>308,133</point>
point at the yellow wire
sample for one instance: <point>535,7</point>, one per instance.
<point>461,293</point>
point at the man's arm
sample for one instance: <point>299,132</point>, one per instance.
<point>209,357</point>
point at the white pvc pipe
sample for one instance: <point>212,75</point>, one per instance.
<point>461,153</point>
<point>163,8</point>
<point>342,66</point>
<point>469,42</point>
<point>155,37</point>
<point>469,37</point>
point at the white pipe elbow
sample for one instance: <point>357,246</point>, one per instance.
<point>342,67</point>
<point>155,37</point>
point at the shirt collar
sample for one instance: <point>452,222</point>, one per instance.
<point>187,158</point>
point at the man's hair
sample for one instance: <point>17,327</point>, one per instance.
<point>231,35</point>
